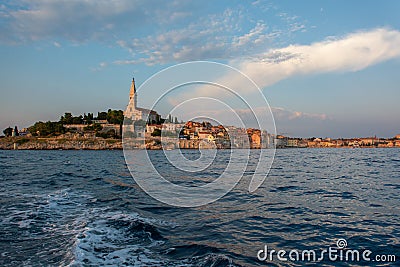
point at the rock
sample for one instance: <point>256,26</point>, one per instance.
<point>65,142</point>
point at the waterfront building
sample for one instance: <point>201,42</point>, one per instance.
<point>281,141</point>
<point>170,127</point>
<point>292,142</point>
<point>203,134</point>
<point>211,138</point>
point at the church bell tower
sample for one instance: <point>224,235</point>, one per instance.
<point>132,94</point>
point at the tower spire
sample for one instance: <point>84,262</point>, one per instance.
<point>132,94</point>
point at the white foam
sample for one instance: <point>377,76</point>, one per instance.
<point>102,243</point>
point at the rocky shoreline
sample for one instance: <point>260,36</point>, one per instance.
<point>77,142</point>
<point>54,143</point>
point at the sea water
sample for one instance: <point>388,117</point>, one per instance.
<point>82,208</point>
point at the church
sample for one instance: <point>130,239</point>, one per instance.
<point>135,113</point>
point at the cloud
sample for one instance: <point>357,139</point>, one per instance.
<point>100,67</point>
<point>215,36</point>
<point>282,116</point>
<point>153,32</point>
<point>285,114</point>
<point>297,123</point>
<point>82,21</point>
<point>350,53</point>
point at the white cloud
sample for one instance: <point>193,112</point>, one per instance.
<point>353,52</point>
<point>254,35</point>
<point>57,44</point>
<point>229,34</point>
<point>153,32</point>
<point>212,37</point>
<point>285,114</point>
<point>100,67</point>
<point>81,21</point>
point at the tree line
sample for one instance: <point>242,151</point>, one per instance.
<point>111,116</point>
<point>54,128</point>
<point>57,127</point>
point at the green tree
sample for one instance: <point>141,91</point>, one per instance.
<point>46,128</point>
<point>8,131</point>
<point>115,116</point>
<point>58,128</point>
<point>77,120</point>
<point>109,134</point>
<point>94,127</point>
<point>67,118</point>
<point>101,115</point>
<point>88,119</point>
<point>156,132</point>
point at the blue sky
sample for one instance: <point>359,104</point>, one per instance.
<point>327,68</point>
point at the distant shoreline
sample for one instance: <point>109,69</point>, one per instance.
<point>54,143</point>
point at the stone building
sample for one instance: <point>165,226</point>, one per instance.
<point>135,113</point>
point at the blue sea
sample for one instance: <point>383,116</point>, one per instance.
<point>82,208</point>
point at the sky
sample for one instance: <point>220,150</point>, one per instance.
<point>327,68</point>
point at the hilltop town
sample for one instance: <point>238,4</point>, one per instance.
<point>169,134</point>
<point>145,129</point>
<point>194,135</point>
